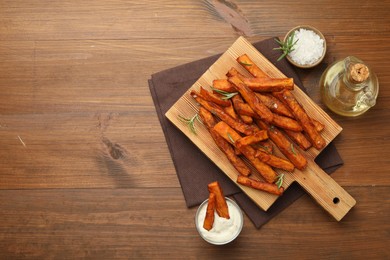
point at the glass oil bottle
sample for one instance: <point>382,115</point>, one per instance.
<point>349,87</point>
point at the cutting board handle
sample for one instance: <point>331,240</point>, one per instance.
<point>327,192</point>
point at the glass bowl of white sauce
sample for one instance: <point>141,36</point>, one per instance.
<point>224,230</point>
<point>310,47</point>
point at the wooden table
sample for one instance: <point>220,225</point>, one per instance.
<point>84,167</point>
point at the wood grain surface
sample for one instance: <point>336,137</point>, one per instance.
<point>85,171</point>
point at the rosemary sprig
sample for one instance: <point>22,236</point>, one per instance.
<point>225,95</point>
<point>279,181</point>
<point>287,46</point>
<point>190,122</point>
<point>265,148</point>
<point>230,138</point>
<point>292,149</point>
<point>245,64</point>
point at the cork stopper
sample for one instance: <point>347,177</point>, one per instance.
<point>358,73</point>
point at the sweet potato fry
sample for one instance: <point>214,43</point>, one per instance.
<point>284,145</point>
<point>246,119</point>
<point>299,138</point>
<point>242,108</point>
<point>234,72</point>
<point>274,161</point>
<point>300,114</point>
<point>318,125</point>
<point>207,118</point>
<point>230,135</point>
<point>265,146</point>
<point>227,132</point>
<point>269,84</point>
<point>286,123</point>
<point>209,218</point>
<point>264,169</point>
<point>224,85</point>
<point>260,185</point>
<point>230,153</point>
<point>252,139</point>
<point>237,101</point>
<point>251,67</point>
<point>249,96</point>
<point>220,202</point>
<point>206,95</point>
<point>230,110</point>
<point>218,111</point>
<point>245,109</point>
<point>274,104</point>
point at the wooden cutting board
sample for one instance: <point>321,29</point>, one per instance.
<point>331,196</point>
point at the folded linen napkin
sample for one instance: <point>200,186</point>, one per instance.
<point>193,168</point>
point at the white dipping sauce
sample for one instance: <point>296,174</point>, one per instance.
<point>224,230</point>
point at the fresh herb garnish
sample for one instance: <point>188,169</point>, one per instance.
<point>265,148</point>
<point>244,63</point>
<point>279,181</point>
<point>230,138</point>
<point>293,150</point>
<point>225,95</point>
<point>190,122</point>
<point>287,46</point>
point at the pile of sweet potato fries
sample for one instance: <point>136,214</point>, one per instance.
<point>255,114</point>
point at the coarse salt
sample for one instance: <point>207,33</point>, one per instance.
<point>309,47</point>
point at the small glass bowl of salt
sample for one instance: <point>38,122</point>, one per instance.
<point>309,49</point>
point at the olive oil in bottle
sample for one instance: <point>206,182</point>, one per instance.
<point>349,87</point>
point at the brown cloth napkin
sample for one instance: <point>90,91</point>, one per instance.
<point>193,168</point>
